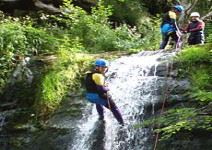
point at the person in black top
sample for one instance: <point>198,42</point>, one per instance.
<point>97,91</point>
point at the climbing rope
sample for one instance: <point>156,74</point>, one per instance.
<point>179,35</point>
<point>108,101</point>
<point>166,94</point>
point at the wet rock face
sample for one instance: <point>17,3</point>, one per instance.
<point>23,83</point>
<point>18,128</point>
<point>26,139</point>
<point>20,80</point>
<point>164,69</point>
<point>18,123</point>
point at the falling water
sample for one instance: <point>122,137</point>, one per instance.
<point>133,83</point>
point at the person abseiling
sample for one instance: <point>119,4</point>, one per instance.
<point>196,29</point>
<point>169,26</point>
<point>97,91</point>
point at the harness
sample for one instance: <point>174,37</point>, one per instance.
<point>168,24</point>
<point>90,85</point>
<point>166,19</point>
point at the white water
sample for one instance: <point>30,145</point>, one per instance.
<point>133,84</point>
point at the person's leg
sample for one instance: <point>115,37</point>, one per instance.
<point>192,40</point>
<point>165,39</point>
<point>94,98</point>
<point>100,111</point>
<point>108,103</point>
<point>114,109</point>
<point>175,39</point>
<point>199,39</point>
<point>117,115</point>
<point>202,38</point>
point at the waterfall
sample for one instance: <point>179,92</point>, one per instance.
<point>134,81</point>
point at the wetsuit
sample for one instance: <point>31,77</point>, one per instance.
<point>97,93</point>
<point>196,30</point>
<point>168,28</point>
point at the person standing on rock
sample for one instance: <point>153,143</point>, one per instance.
<point>196,29</point>
<point>97,91</point>
<point>169,26</point>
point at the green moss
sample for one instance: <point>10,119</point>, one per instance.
<point>65,75</point>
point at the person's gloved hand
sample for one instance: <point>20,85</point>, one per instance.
<point>188,31</point>
<point>184,32</point>
<point>106,96</point>
<point>179,34</point>
<point>169,33</point>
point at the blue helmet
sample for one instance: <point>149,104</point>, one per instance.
<point>179,8</point>
<point>102,63</point>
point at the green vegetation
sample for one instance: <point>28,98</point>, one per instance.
<point>195,114</point>
<point>96,34</point>
<point>179,120</point>
<point>135,14</point>
<point>208,31</point>
<point>65,75</point>
<point>76,37</point>
<point>195,55</point>
<point>197,60</point>
<point>72,37</point>
<point>18,40</point>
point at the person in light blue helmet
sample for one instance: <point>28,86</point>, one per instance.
<point>169,25</point>
<point>97,91</point>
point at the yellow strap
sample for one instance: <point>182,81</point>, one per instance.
<point>172,15</point>
<point>99,79</point>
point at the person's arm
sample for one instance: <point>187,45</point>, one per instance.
<point>200,26</point>
<point>99,80</point>
<point>185,28</point>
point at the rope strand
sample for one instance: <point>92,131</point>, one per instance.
<point>164,100</point>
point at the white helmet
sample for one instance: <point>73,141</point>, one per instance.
<point>195,14</point>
